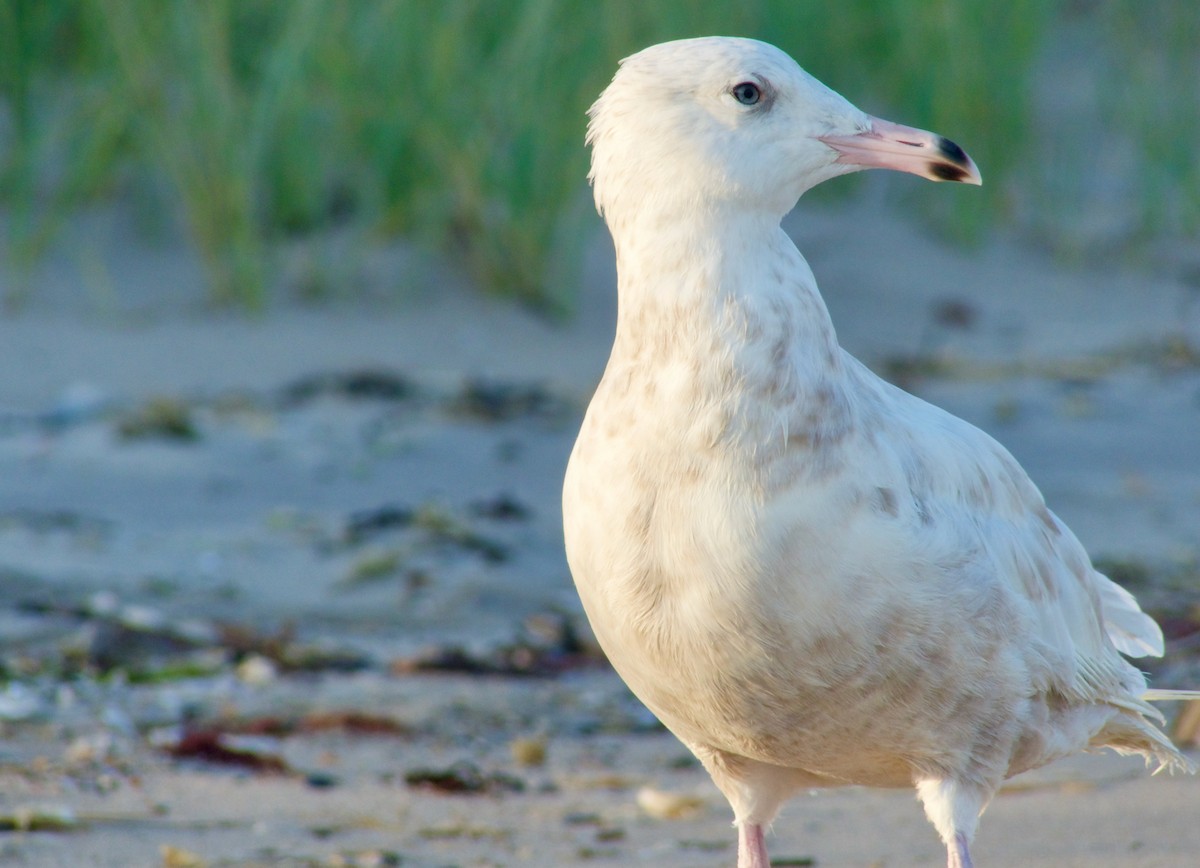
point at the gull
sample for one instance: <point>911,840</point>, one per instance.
<point>812,577</point>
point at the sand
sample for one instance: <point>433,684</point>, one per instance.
<point>337,491</point>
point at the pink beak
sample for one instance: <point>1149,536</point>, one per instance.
<point>893,146</point>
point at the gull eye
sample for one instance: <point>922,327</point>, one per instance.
<point>747,93</point>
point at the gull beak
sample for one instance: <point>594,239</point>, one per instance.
<point>885,145</point>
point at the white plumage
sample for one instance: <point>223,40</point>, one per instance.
<point>812,577</point>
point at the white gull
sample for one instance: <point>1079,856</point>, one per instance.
<point>810,576</point>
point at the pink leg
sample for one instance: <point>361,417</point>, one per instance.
<point>752,847</point>
<point>959,854</point>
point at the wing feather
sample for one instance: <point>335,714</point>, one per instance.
<point>1132,631</point>
<point>1080,618</point>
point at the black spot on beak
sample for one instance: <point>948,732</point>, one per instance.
<point>946,172</point>
<point>952,152</point>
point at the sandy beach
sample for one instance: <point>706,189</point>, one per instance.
<point>290,590</point>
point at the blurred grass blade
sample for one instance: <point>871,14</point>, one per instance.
<point>459,125</point>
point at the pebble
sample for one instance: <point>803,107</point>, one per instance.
<point>663,805</point>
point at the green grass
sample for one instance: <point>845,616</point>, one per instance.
<point>459,123</point>
<point>1154,90</point>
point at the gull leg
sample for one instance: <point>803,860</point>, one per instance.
<point>959,855</point>
<point>752,847</point>
<point>954,810</point>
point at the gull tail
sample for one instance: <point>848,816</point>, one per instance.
<point>1130,736</point>
<point>1186,727</point>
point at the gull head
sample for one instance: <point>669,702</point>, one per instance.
<point>696,125</point>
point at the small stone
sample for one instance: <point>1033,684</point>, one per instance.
<point>162,417</point>
<point>528,751</point>
<point>177,857</point>
<point>663,805</point>
<point>257,670</point>
<point>88,749</point>
<point>321,780</point>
